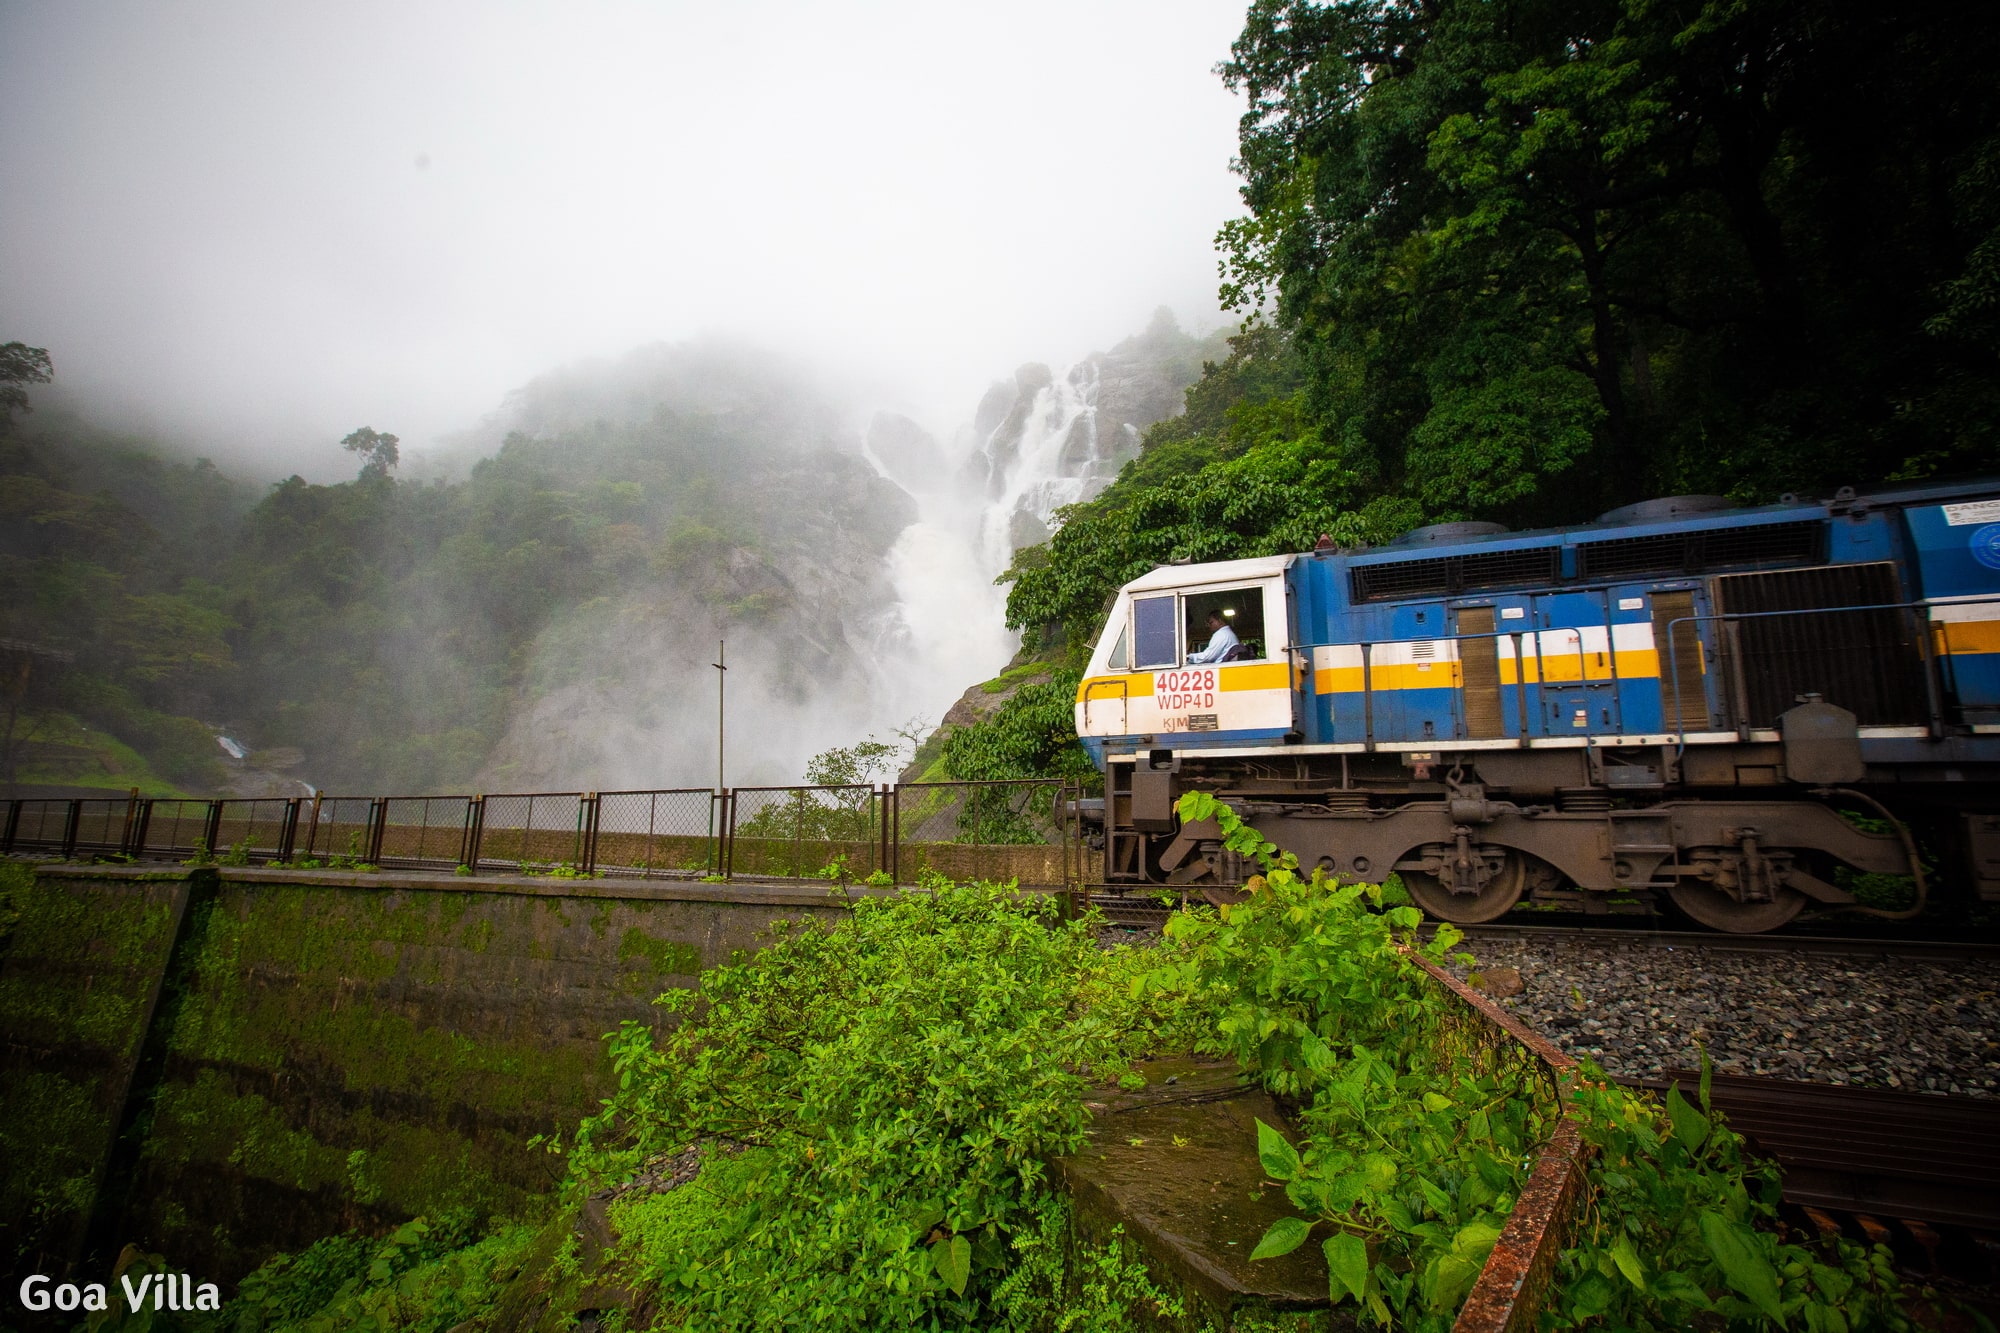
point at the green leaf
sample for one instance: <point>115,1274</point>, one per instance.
<point>1347,1265</point>
<point>1590,1297</point>
<point>952,1257</point>
<point>1286,1234</point>
<point>1628,1263</point>
<point>1446,1281</point>
<point>1746,1270</point>
<point>1474,1241</point>
<point>1674,1286</point>
<point>1436,1102</point>
<point>1690,1126</point>
<point>1280,1159</point>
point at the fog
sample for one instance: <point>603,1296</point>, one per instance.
<point>252,227</point>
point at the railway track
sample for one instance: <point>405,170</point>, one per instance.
<point>1846,946</point>
<point>1141,913</point>
<point>1918,1173</point>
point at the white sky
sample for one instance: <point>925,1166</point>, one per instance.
<point>256,226</point>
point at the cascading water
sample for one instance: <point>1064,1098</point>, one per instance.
<point>1042,453</point>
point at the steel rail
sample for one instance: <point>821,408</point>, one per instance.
<point>1842,946</point>
<point>1900,1155</point>
<point>1136,910</point>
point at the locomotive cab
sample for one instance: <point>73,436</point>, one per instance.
<point>1147,688</point>
<point>1686,700</point>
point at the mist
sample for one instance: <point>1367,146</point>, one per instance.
<point>251,228</point>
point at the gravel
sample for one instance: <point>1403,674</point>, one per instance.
<point>1639,1010</point>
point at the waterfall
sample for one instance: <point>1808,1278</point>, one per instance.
<point>1033,447</point>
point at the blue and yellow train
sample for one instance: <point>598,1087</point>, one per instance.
<point>1737,708</point>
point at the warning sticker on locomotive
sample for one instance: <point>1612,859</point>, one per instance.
<point>1977,511</point>
<point>1175,690</point>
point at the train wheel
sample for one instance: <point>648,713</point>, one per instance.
<point>1718,911</point>
<point>1469,909</point>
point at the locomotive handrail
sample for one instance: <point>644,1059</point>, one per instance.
<point>1520,639</point>
<point>1932,703</point>
<point>1513,636</point>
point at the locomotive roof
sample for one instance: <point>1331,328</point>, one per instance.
<point>1745,516</point>
<point>1211,571</point>
<point>1194,575</point>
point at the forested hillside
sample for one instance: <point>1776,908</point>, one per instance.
<point>1527,262</point>
<point>429,636</point>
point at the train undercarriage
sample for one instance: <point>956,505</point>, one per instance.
<point>1740,837</point>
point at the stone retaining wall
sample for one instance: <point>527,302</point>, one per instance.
<point>223,1063</point>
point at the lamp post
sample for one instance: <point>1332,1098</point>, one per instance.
<point>721,692</point>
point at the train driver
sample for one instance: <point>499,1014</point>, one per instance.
<point>1221,641</point>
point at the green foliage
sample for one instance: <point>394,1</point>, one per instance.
<point>17,880</point>
<point>1031,735</point>
<point>1530,263</point>
<point>378,452</point>
<point>20,365</point>
<point>1630,245</point>
<point>873,1107</point>
<point>428,1275</point>
<point>1418,1137</point>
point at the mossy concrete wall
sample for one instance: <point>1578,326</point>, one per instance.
<point>219,1064</point>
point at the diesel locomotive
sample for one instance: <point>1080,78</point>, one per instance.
<point>1741,710</point>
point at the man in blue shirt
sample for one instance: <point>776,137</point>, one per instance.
<point>1221,641</point>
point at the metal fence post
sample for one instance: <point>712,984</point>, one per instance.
<point>896,834</point>
<point>728,864</point>
<point>591,804</point>
<point>288,835</point>
<point>312,827</point>
<point>13,826</point>
<point>70,823</point>
<point>131,818</point>
<point>211,828</point>
<point>883,799</point>
<point>142,828</point>
<point>475,830</point>
<point>378,825</point>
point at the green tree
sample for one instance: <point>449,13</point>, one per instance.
<point>20,365</point>
<point>1642,247</point>
<point>377,450</point>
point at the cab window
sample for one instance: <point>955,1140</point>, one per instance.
<point>1153,633</point>
<point>1120,659</point>
<point>1241,609</point>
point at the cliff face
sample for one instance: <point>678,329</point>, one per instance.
<point>1041,441</point>
<point>773,534</point>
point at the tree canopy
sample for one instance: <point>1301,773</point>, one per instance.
<point>1527,261</point>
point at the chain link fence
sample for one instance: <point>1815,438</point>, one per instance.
<point>1025,831</point>
<point>658,832</point>
<point>834,833</point>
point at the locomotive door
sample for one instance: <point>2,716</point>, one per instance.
<point>1492,638</point>
<point>1577,668</point>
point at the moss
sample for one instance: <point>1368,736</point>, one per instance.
<point>52,1133</point>
<point>668,957</point>
<point>432,1032</point>
<point>1015,675</point>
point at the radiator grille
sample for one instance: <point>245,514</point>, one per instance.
<point>1443,575</point>
<point>1867,662</point>
<point>1479,669</point>
<point>1693,552</point>
<point>1678,644</point>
